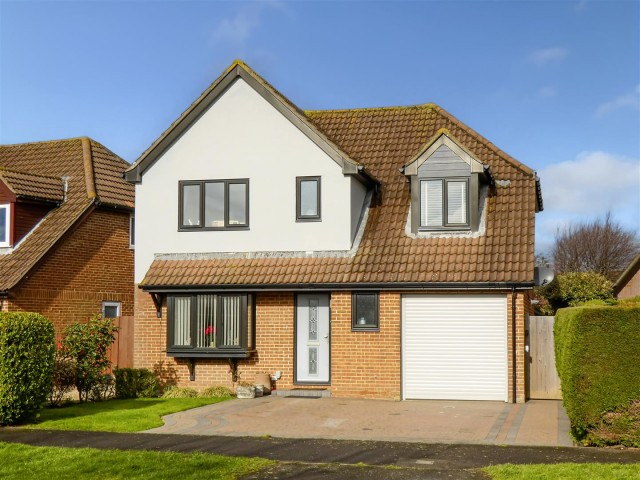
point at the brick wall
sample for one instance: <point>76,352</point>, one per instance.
<point>523,306</point>
<point>93,263</point>
<point>363,364</point>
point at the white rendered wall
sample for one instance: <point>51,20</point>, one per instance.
<point>242,136</point>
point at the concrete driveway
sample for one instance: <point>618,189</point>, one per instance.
<point>537,422</point>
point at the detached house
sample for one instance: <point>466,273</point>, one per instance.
<point>383,252</point>
<point>65,231</point>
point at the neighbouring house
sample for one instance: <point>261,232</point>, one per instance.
<point>628,284</point>
<point>371,252</point>
<point>66,231</point>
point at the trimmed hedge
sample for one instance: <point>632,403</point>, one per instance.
<point>598,359</point>
<point>26,364</point>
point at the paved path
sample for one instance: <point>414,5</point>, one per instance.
<point>537,422</point>
<point>326,459</point>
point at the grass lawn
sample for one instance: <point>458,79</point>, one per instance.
<point>564,471</point>
<point>116,415</point>
<point>24,462</point>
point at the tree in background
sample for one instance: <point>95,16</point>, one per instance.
<point>601,246</point>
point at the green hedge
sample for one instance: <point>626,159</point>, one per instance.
<point>26,364</point>
<point>598,360</point>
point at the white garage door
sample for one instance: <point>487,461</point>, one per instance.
<point>454,347</point>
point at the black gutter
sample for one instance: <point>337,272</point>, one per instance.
<point>346,286</point>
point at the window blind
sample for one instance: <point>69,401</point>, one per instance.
<point>431,201</point>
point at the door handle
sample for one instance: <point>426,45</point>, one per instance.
<point>326,336</point>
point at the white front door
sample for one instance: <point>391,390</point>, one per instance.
<point>312,338</point>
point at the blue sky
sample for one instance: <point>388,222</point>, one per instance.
<point>556,84</point>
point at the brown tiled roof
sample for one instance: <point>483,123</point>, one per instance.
<point>30,185</point>
<point>383,140</point>
<point>94,176</point>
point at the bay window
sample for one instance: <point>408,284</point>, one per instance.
<point>210,325</point>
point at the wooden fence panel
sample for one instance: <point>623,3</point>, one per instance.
<point>121,352</point>
<point>544,382</point>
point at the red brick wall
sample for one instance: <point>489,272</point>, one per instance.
<point>363,364</point>
<point>523,305</point>
<point>93,263</point>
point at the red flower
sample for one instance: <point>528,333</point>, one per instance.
<point>210,330</point>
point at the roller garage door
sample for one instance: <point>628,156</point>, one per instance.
<point>454,347</point>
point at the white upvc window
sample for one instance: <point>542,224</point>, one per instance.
<point>5,225</point>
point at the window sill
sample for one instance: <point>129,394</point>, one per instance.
<point>221,353</point>
<point>365,329</point>
<point>212,229</point>
<point>445,229</point>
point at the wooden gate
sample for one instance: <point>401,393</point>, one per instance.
<point>122,348</point>
<point>544,382</point>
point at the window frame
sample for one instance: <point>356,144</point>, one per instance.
<point>201,184</point>
<point>111,303</point>
<point>132,231</point>
<point>8,209</point>
<point>446,225</point>
<point>308,218</point>
<point>355,327</point>
<point>247,328</point>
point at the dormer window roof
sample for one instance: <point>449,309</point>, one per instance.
<point>445,186</point>
<point>33,186</point>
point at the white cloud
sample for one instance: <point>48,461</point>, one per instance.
<point>547,92</point>
<point>546,55</point>
<point>585,188</point>
<point>239,28</point>
<point>628,100</point>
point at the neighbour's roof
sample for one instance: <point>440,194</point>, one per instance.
<point>383,140</point>
<point>94,176</point>
<point>31,185</point>
<point>625,276</point>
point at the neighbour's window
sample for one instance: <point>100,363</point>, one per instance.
<point>132,230</point>
<point>214,204</point>
<point>308,198</point>
<point>5,225</point>
<point>444,203</point>
<point>110,309</point>
<point>364,311</point>
<point>216,323</point>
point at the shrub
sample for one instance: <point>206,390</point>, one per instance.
<point>180,392</point>
<point>136,382</point>
<point>217,391</point>
<point>26,364</point>
<point>597,351</point>
<point>64,379</point>
<point>87,344</point>
<point>578,287</point>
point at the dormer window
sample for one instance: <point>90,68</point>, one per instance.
<point>5,225</point>
<point>445,187</point>
<point>444,202</point>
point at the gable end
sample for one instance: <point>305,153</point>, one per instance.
<point>217,89</point>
